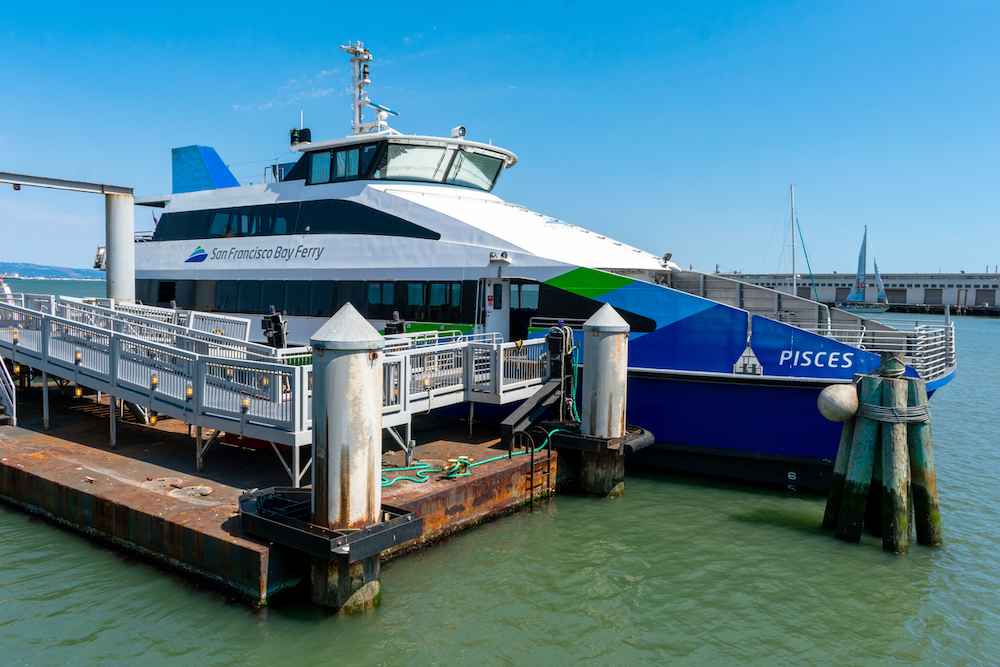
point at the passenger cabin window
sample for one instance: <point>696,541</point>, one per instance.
<point>322,216</point>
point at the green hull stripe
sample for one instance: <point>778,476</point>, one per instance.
<point>590,283</point>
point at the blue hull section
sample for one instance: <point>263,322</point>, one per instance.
<point>775,419</point>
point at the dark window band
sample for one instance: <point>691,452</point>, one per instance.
<point>325,216</point>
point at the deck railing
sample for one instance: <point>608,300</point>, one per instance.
<point>222,383</point>
<point>927,346</point>
<point>174,375</point>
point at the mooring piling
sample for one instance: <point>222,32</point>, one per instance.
<point>923,478</point>
<point>890,474</point>
<point>347,428</point>
<point>895,471</point>
<point>605,371</point>
<point>850,518</point>
<point>839,403</point>
<point>873,511</point>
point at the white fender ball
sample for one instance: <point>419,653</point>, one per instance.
<point>838,402</point>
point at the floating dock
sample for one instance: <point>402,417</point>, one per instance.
<point>146,497</point>
<point>159,377</point>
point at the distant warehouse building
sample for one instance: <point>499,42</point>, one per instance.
<point>954,289</point>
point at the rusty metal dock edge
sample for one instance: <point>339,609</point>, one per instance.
<point>450,506</point>
<point>202,543</point>
<point>193,541</point>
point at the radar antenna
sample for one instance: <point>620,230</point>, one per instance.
<point>360,57</point>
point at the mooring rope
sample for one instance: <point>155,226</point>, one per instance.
<point>890,415</point>
<point>455,470</point>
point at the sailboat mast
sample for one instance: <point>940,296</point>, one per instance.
<point>795,286</point>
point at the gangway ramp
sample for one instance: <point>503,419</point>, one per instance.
<point>186,366</point>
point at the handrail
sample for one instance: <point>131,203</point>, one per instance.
<point>227,383</point>
<point>928,347</point>
<point>8,393</point>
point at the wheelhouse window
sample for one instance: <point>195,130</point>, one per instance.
<point>319,167</point>
<point>416,163</point>
<point>455,164</point>
<point>346,164</point>
<point>475,170</point>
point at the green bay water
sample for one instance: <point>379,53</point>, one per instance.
<point>679,571</point>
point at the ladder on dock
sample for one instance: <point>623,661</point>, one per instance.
<point>200,369</point>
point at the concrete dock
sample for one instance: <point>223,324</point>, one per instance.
<point>146,498</point>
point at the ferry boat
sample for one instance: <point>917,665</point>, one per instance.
<point>724,373</point>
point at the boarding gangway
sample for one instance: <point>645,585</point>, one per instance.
<point>187,366</point>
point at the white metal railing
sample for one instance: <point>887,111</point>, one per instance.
<point>210,380</point>
<point>39,302</point>
<point>470,370</point>
<point>127,319</point>
<point>927,346</point>
<point>8,393</point>
<point>260,398</point>
<point>397,342</point>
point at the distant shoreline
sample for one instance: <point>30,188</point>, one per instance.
<point>98,280</point>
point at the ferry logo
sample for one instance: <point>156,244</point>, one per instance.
<point>199,255</point>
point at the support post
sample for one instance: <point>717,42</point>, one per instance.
<point>112,410</point>
<point>45,400</point>
<point>120,242</point>
<point>923,477</point>
<point>605,372</point>
<point>197,448</point>
<point>850,519</point>
<point>347,452</point>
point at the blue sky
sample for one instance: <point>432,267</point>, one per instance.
<point>672,126</point>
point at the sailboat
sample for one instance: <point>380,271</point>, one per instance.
<point>855,301</point>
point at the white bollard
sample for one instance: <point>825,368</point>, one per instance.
<point>120,243</point>
<point>347,450</point>
<point>605,372</point>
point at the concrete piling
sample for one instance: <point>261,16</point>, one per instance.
<point>602,413</point>
<point>347,450</point>
<point>923,478</point>
<point>850,519</point>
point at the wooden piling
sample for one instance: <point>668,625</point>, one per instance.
<point>836,493</point>
<point>873,511</point>
<point>850,519</point>
<point>923,478</point>
<point>895,471</point>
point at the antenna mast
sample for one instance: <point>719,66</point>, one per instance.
<point>360,57</point>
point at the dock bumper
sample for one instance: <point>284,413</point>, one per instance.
<point>633,440</point>
<point>281,514</point>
